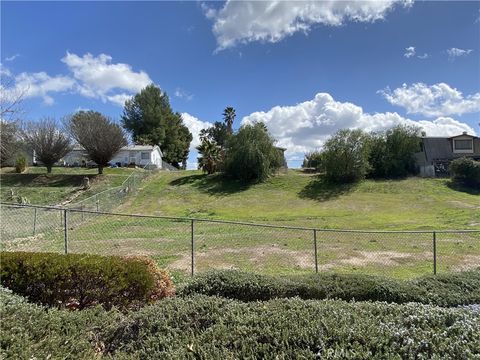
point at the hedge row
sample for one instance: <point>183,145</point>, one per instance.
<point>79,281</point>
<point>443,290</point>
<point>201,327</point>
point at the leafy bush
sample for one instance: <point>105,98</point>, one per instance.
<point>465,170</point>
<point>345,156</point>
<point>213,328</point>
<point>444,290</point>
<point>21,164</point>
<point>210,328</point>
<point>79,281</point>
<point>391,153</point>
<point>30,331</point>
<point>251,154</point>
<point>313,160</point>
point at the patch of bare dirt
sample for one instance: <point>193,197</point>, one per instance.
<point>384,258</point>
<point>468,262</point>
<point>258,255</point>
<point>464,205</point>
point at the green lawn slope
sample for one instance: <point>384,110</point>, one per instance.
<point>300,199</point>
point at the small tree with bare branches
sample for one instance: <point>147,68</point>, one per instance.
<point>47,140</point>
<point>9,141</point>
<point>99,135</point>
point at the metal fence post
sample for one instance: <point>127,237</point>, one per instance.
<point>65,230</point>
<point>316,252</point>
<point>193,249</point>
<point>34,220</point>
<point>434,253</point>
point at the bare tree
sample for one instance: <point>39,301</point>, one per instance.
<point>11,97</point>
<point>99,135</point>
<point>47,140</point>
<point>9,140</point>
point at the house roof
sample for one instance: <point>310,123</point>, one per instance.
<point>437,148</point>
<point>129,148</point>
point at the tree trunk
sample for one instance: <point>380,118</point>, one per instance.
<point>100,169</point>
<point>49,169</point>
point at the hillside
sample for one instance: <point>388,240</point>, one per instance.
<point>300,199</point>
<point>63,184</point>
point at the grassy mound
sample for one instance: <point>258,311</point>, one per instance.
<point>444,290</point>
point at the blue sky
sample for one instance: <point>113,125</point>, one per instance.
<point>304,68</point>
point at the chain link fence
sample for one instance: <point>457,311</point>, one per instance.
<point>187,245</point>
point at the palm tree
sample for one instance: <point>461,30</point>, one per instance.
<point>228,117</point>
<point>210,156</point>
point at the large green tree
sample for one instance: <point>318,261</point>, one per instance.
<point>251,154</point>
<point>345,156</point>
<point>392,153</point>
<point>150,119</point>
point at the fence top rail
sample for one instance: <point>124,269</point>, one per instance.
<point>239,222</point>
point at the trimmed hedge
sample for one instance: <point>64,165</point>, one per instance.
<point>78,281</point>
<point>444,290</point>
<point>214,328</point>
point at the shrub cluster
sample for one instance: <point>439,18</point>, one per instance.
<point>351,155</point>
<point>466,171</point>
<point>21,164</point>
<point>213,328</point>
<point>79,281</point>
<point>444,290</point>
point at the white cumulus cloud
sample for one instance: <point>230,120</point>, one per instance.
<point>195,125</point>
<point>409,52</point>
<point>435,100</point>
<point>90,76</point>
<point>306,126</point>
<point>98,77</point>
<point>38,84</point>
<point>456,52</point>
<point>271,21</point>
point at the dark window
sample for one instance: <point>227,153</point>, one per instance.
<point>463,144</point>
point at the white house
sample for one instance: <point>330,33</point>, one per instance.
<point>139,155</point>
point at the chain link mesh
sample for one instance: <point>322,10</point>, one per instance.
<point>233,245</point>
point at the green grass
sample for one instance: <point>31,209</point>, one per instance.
<point>41,188</point>
<point>305,200</point>
<point>287,199</point>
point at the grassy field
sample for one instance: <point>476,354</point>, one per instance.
<point>288,199</point>
<point>306,200</point>
<point>61,185</point>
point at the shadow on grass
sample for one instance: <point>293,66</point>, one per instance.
<point>43,180</point>
<point>463,188</point>
<point>322,190</point>
<point>212,184</point>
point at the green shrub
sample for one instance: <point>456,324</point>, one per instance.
<point>213,328</point>
<point>445,290</point>
<point>251,155</point>
<point>21,164</point>
<point>30,331</point>
<point>201,327</point>
<point>79,281</point>
<point>465,170</point>
<point>345,156</point>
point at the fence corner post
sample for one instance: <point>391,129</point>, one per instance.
<point>193,247</point>
<point>316,251</point>
<point>65,229</point>
<point>434,253</point>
